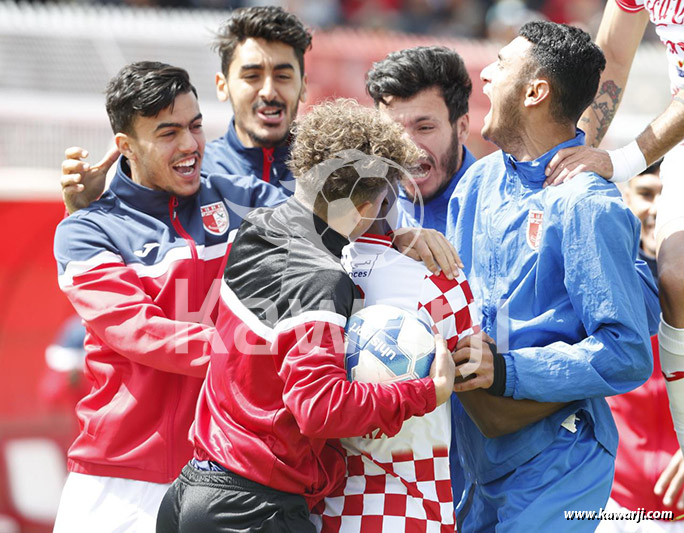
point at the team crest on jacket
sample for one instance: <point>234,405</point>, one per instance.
<point>215,218</point>
<point>534,228</point>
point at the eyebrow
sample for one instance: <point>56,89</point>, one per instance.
<point>422,118</point>
<point>256,66</point>
<point>176,124</point>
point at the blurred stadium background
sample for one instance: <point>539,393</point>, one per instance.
<point>55,60</point>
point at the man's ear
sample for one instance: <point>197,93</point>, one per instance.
<point>302,93</point>
<point>123,143</point>
<point>222,92</point>
<point>537,91</point>
<point>463,128</point>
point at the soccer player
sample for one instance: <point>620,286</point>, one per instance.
<point>139,266</point>
<point>276,397</point>
<point>544,262</point>
<point>426,89</point>
<point>621,30</point>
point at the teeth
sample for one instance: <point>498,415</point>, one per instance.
<point>187,163</point>
<point>271,113</point>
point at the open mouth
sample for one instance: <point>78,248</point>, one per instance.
<point>271,114</point>
<point>186,167</point>
<point>421,171</point>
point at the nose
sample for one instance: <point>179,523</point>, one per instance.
<point>189,141</point>
<point>485,74</point>
<point>653,208</point>
<point>267,91</point>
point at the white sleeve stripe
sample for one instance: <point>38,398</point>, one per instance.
<point>76,268</point>
<point>247,316</point>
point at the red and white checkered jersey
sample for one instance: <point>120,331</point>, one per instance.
<point>668,17</point>
<point>401,483</point>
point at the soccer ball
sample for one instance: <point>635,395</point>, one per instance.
<point>384,344</point>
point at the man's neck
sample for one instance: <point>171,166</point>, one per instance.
<point>535,139</point>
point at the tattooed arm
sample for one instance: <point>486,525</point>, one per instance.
<point>618,36</point>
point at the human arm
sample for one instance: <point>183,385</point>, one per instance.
<point>326,405</point>
<point>607,351</point>
<point>81,182</point>
<point>111,299</point>
<point>619,36</point>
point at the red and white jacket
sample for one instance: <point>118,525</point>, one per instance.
<point>142,268</point>
<point>277,398</point>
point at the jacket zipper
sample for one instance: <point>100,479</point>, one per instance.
<point>268,160</point>
<point>173,203</point>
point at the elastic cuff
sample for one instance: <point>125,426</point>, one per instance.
<point>499,386</point>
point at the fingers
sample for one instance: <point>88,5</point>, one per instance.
<point>444,253</point>
<point>671,481</point>
<point>443,370</point>
<point>75,152</point>
<point>108,160</point>
<point>474,364</point>
<point>556,165</point>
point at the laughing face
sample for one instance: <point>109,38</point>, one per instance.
<point>265,86</point>
<point>425,118</point>
<point>165,151</point>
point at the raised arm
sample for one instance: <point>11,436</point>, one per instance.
<point>619,36</point>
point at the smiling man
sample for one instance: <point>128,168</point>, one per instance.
<point>139,266</point>
<point>426,90</point>
<point>262,76</point>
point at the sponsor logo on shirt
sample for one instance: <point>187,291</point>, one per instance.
<point>534,228</point>
<point>215,218</point>
<point>362,269</point>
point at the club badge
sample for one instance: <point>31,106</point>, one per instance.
<point>534,228</point>
<point>215,218</point>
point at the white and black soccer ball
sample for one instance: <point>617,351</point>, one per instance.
<point>384,343</point>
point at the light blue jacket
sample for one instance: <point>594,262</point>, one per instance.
<point>554,272</point>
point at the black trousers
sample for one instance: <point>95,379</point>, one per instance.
<point>218,502</point>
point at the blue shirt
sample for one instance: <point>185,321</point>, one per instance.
<point>435,210</point>
<point>554,271</point>
<point>227,155</point>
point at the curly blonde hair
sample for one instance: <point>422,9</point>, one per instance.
<point>339,142</point>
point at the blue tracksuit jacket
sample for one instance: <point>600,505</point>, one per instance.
<point>553,269</point>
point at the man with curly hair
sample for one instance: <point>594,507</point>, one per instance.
<point>276,398</point>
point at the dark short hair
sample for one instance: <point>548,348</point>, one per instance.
<point>268,22</point>
<point>570,61</point>
<point>143,89</point>
<point>405,73</point>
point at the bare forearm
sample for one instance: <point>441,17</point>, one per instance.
<point>665,132</point>
<point>618,36</point>
<point>599,115</point>
<point>497,416</point>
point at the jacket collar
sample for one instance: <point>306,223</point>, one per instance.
<point>532,172</point>
<point>144,199</point>
<point>302,222</point>
<point>280,152</point>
